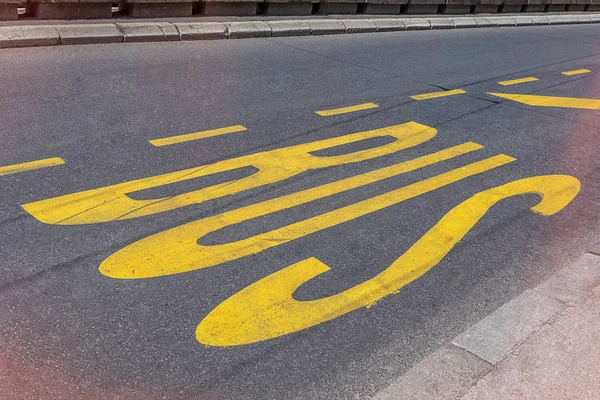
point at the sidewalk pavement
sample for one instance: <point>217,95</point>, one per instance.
<point>560,361</point>
<point>543,344</point>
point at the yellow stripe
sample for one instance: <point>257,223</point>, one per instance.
<point>197,135</point>
<point>344,110</point>
<point>551,101</point>
<point>517,81</point>
<point>428,96</point>
<point>28,166</point>
<point>576,72</point>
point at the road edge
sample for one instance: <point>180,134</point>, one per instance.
<point>130,32</point>
<point>451,370</point>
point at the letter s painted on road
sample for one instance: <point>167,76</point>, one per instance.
<point>267,309</point>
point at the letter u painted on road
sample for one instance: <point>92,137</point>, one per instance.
<point>112,203</point>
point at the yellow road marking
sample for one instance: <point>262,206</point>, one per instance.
<point>266,309</point>
<point>435,95</point>
<point>154,256</point>
<point>197,135</point>
<point>111,203</point>
<point>576,72</point>
<point>28,166</point>
<point>551,101</point>
<point>517,81</point>
<point>344,110</point>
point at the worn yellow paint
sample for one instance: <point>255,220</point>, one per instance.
<point>112,203</point>
<point>267,309</point>
<point>178,250</point>
<point>345,110</point>
<point>517,81</point>
<point>435,95</point>
<point>197,135</point>
<point>31,165</point>
<point>551,101</point>
<point>576,72</point>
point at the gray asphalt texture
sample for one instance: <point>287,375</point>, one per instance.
<point>68,332</point>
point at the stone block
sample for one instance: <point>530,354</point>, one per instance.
<point>495,336</point>
<point>359,25</point>
<point>8,12</point>
<point>455,9</point>
<point>422,8</point>
<point>326,26</point>
<point>444,374</point>
<point>337,8</point>
<point>304,8</point>
<point>511,8</point>
<point>465,22</point>
<point>487,8</point>
<point>228,8</point>
<point>441,23</point>
<point>530,8</point>
<point>201,30</point>
<point>250,29</point>
<point>414,24</point>
<point>571,283</point>
<point>28,35</point>
<point>89,33</point>
<point>556,7</point>
<point>289,28</point>
<point>389,24</point>
<point>382,9</point>
<point>158,10</point>
<point>148,31</point>
<point>73,10</point>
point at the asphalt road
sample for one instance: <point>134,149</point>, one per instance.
<point>71,330</point>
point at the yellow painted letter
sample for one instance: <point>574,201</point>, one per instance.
<point>177,250</point>
<point>111,203</point>
<point>267,309</point>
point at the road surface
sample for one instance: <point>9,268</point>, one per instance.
<point>282,218</point>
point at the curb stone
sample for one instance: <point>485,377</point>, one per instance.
<point>136,32</point>
<point>289,28</point>
<point>201,30</point>
<point>250,29</point>
<point>360,26</point>
<point>29,36</point>
<point>452,369</point>
<point>119,32</point>
<point>86,34</point>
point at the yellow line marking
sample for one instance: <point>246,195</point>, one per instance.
<point>28,166</point>
<point>197,135</point>
<point>551,101</point>
<point>267,309</point>
<point>155,255</point>
<point>112,203</point>
<point>517,81</point>
<point>576,72</point>
<point>435,95</point>
<point>344,110</point>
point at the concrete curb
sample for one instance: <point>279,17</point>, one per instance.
<point>124,32</point>
<point>452,369</point>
